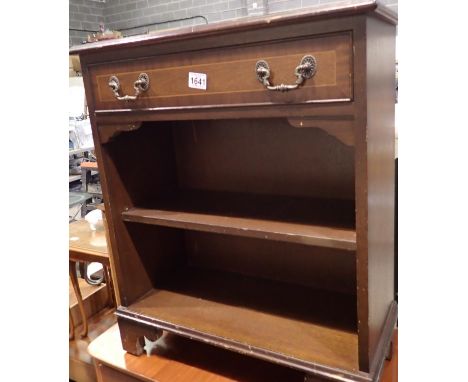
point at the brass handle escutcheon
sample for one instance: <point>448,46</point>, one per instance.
<point>306,69</point>
<point>141,85</point>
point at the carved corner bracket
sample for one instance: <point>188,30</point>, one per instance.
<point>341,129</point>
<point>109,132</point>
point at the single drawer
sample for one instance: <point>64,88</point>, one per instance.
<point>233,76</point>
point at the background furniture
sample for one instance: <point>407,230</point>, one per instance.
<point>88,169</point>
<point>95,303</point>
<point>86,245</point>
<point>74,199</point>
<point>242,214</point>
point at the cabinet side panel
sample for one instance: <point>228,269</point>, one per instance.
<point>359,44</point>
<point>139,166</point>
<point>374,63</point>
<point>110,189</point>
<point>121,173</point>
<point>381,174</point>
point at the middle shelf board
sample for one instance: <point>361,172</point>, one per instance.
<point>315,222</point>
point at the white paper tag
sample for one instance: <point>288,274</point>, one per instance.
<point>197,80</point>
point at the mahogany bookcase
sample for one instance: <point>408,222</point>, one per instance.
<point>248,172</point>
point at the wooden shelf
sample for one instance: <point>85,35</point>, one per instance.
<point>324,223</point>
<point>256,316</point>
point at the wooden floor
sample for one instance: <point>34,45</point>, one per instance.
<point>177,359</point>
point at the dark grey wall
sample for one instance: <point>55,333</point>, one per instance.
<point>118,14</point>
<point>85,14</point>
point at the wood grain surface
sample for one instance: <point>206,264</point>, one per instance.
<point>375,179</point>
<point>259,314</point>
<point>87,245</point>
<point>231,77</point>
<point>316,222</point>
<point>241,140</point>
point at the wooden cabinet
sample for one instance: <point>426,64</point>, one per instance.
<point>257,214</point>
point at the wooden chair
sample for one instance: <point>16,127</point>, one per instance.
<point>86,245</point>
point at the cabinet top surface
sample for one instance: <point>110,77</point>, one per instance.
<point>320,11</point>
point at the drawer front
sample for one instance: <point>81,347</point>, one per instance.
<point>231,77</point>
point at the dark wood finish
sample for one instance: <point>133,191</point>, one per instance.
<point>340,112</point>
<point>178,359</point>
<point>296,220</point>
<point>374,143</point>
<point>258,156</point>
<point>196,182</point>
<point>270,317</point>
<point>231,75</point>
<point>133,339</point>
<point>342,129</point>
<point>290,232</point>
<point>380,175</point>
<point>108,132</point>
<point>332,269</point>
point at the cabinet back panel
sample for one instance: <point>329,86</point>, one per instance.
<point>145,162</point>
<point>164,250</point>
<point>258,156</point>
<point>161,250</point>
<point>262,156</point>
<point>321,268</point>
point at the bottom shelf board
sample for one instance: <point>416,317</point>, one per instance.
<point>261,317</point>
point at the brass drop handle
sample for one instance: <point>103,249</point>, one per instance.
<point>141,85</point>
<point>306,69</point>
